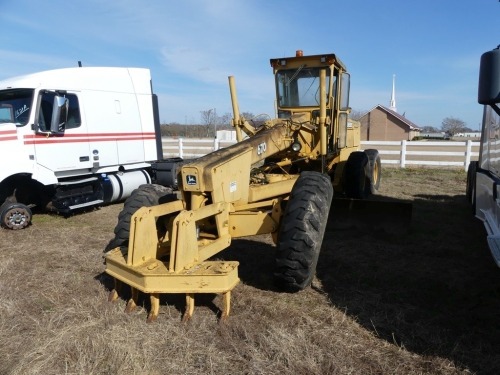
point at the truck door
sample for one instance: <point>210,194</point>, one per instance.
<point>66,153</point>
<point>114,125</point>
<point>492,123</point>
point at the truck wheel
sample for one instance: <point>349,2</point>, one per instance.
<point>357,175</point>
<point>470,190</point>
<point>301,231</point>
<point>144,196</point>
<point>375,169</point>
<point>15,215</point>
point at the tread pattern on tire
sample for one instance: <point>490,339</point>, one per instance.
<point>356,178</point>
<point>146,195</point>
<point>471,172</point>
<point>302,229</point>
<point>470,190</point>
<point>374,162</point>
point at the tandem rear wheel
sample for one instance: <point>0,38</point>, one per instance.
<point>147,195</point>
<point>362,173</point>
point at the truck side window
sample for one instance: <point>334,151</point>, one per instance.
<point>45,114</point>
<point>74,119</point>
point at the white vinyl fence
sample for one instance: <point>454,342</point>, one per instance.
<point>426,153</point>
<point>398,153</point>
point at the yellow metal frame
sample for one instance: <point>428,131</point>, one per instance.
<point>220,202</point>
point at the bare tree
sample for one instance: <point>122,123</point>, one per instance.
<point>247,115</point>
<point>224,121</point>
<point>453,125</point>
<point>356,114</point>
<point>429,129</point>
<point>208,119</point>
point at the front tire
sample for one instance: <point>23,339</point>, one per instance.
<point>15,215</point>
<point>301,231</point>
<point>144,196</point>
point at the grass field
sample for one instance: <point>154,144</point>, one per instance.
<point>423,301</point>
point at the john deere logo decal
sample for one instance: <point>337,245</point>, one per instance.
<point>190,179</point>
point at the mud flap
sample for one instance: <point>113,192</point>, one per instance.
<point>381,215</point>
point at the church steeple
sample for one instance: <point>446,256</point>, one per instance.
<point>393,96</point>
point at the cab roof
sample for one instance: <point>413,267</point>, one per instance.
<point>310,60</point>
<point>117,79</point>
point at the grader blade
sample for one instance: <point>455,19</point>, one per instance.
<point>377,215</point>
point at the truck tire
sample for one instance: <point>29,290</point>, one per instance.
<point>15,215</point>
<point>301,231</point>
<point>375,169</point>
<point>470,190</point>
<point>357,175</point>
<point>144,196</point>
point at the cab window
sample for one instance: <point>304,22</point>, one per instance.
<point>299,87</point>
<point>46,108</point>
<point>15,106</point>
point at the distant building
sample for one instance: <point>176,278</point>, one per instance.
<point>468,135</point>
<point>384,124</point>
<point>434,135</point>
<point>226,135</point>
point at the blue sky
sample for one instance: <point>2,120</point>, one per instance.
<point>192,46</point>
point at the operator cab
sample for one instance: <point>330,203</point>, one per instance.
<point>297,83</point>
<point>298,98</point>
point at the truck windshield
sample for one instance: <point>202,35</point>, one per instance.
<point>299,87</point>
<point>15,106</point>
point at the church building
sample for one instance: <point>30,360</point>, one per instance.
<point>386,124</point>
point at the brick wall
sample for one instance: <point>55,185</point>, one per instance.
<point>378,125</point>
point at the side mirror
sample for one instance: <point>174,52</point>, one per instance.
<point>489,77</point>
<point>59,115</point>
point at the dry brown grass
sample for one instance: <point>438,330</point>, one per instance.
<point>425,302</point>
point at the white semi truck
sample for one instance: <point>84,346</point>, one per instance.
<point>76,138</point>
<point>483,177</point>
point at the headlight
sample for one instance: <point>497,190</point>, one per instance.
<point>296,146</point>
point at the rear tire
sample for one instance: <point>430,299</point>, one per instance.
<point>356,175</point>
<point>301,231</point>
<point>15,215</point>
<point>144,196</point>
<point>375,169</point>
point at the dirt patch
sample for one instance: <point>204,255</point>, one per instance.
<point>424,300</point>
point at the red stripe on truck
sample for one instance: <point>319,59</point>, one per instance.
<point>8,135</point>
<point>91,137</point>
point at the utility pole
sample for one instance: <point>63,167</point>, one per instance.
<point>215,123</point>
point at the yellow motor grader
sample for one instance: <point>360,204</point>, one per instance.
<point>279,179</point>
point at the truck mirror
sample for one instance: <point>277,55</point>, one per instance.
<point>489,78</point>
<point>59,115</point>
